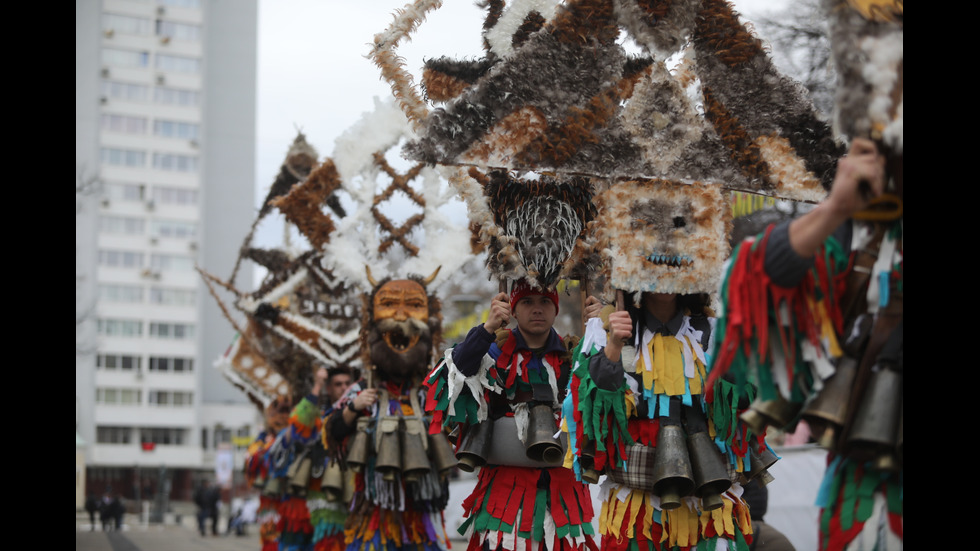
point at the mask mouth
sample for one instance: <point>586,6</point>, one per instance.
<point>402,336</point>
<point>399,341</point>
<point>670,260</point>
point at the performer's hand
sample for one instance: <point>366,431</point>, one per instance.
<point>860,178</point>
<point>319,381</point>
<point>499,315</point>
<point>620,329</point>
<point>593,307</point>
<point>365,399</point>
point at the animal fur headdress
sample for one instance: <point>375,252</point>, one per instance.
<point>557,94</point>
<point>313,301</point>
<point>301,312</point>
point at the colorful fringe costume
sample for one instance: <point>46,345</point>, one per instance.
<point>292,517</point>
<point>528,505</point>
<point>790,326</point>
<point>257,473</point>
<point>394,513</point>
<point>614,421</point>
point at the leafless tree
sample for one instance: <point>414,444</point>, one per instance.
<point>800,47</point>
<point>87,185</point>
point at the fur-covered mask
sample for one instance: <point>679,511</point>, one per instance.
<point>403,326</point>
<point>662,236</point>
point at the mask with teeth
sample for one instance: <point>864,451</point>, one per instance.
<point>663,236</point>
<point>404,322</point>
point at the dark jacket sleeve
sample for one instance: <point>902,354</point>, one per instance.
<point>783,265</point>
<point>607,374</point>
<point>468,354</point>
<point>786,268</point>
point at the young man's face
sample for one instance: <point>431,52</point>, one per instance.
<point>535,314</point>
<point>337,386</point>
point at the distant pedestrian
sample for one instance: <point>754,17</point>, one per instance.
<point>91,507</point>
<point>110,512</point>
<point>236,524</point>
<point>206,497</point>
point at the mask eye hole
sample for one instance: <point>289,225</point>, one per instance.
<point>679,222</point>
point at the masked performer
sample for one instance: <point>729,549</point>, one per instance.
<point>836,360</point>
<point>508,385</point>
<point>400,486</point>
<point>259,470</point>
<point>668,486</point>
<point>814,306</point>
<point>312,511</point>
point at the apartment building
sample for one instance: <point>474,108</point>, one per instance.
<point>165,96</point>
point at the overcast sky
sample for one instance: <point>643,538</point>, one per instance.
<point>314,76</point>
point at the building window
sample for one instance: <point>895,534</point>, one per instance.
<point>176,129</point>
<point>124,124</point>
<point>175,96</point>
<point>120,191</point>
<point>126,24</point>
<point>174,195</point>
<point>178,31</point>
<point>173,228</point>
<point>113,435</point>
<point>175,398</point>
<point>243,432</point>
<point>118,396</point>
<point>123,157</point>
<point>163,436</point>
<point>126,91</point>
<point>178,63</point>
<point>173,297</point>
<point>175,162</point>
<point>111,362</point>
<point>123,225</point>
<point>120,259</point>
<point>120,293</point>
<point>171,262</point>
<point>120,328</point>
<point>125,58</point>
<point>221,436</point>
<point>163,364</point>
<point>180,3</point>
<point>176,331</point>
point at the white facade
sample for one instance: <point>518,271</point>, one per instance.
<point>165,95</point>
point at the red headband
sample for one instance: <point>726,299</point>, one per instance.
<point>522,289</point>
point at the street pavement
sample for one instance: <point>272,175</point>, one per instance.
<point>183,536</point>
<point>135,536</point>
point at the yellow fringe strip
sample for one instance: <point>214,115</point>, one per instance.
<point>744,204</point>
<point>682,527</point>
<point>827,332</point>
<point>666,375</point>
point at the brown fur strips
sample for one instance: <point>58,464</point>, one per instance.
<point>302,206</point>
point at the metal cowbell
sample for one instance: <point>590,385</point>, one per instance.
<point>333,481</point>
<point>779,413</point>
<point>587,462</point>
<point>672,473</point>
<point>710,473</point>
<point>760,463</point>
<point>415,460</point>
<point>541,444</point>
<point>475,448</point>
<point>360,447</point>
<point>827,412</point>
<point>441,452</point>
<point>300,479</point>
<point>874,432</point>
<point>389,458</point>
